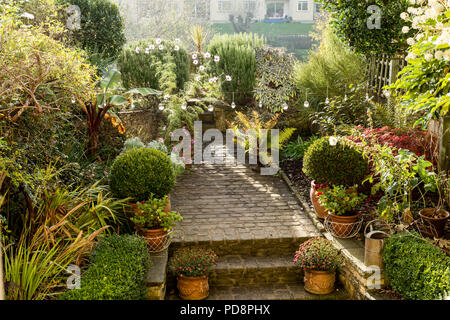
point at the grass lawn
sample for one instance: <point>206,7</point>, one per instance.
<point>268,29</point>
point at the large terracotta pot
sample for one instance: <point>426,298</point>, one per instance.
<point>437,224</point>
<point>156,238</point>
<point>319,282</point>
<point>193,288</point>
<point>318,208</point>
<point>343,225</point>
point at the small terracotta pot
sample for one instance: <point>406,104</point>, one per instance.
<point>155,238</point>
<point>168,205</point>
<point>437,224</point>
<point>343,225</point>
<point>319,282</point>
<point>192,288</point>
<point>318,208</point>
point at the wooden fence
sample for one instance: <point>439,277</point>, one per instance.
<point>383,71</point>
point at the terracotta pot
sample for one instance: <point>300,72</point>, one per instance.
<point>437,224</point>
<point>318,208</point>
<point>319,282</point>
<point>343,225</point>
<point>168,205</point>
<point>155,238</point>
<point>192,288</point>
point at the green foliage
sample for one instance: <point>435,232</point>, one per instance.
<point>193,262</point>
<point>415,268</point>
<point>334,165</point>
<point>422,86</point>
<point>317,254</point>
<point>138,173</point>
<point>274,78</point>
<point>29,64</point>
<point>152,214</point>
<point>339,200</point>
<point>344,111</point>
<point>237,59</point>
<point>143,64</point>
<point>350,20</point>
<point>101,31</point>
<point>296,149</point>
<point>330,69</point>
<point>117,271</point>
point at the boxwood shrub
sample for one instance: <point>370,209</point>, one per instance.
<point>117,270</point>
<point>334,165</point>
<point>139,172</point>
<point>415,268</point>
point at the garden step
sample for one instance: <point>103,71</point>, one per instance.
<point>261,246</point>
<point>234,270</point>
<point>294,291</point>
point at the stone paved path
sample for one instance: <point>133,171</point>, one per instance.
<point>254,224</point>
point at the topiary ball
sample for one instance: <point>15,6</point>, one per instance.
<point>139,172</point>
<point>334,165</point>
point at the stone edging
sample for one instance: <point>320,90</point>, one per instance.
<point>359,271</point>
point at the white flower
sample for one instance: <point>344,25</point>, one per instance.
<point>158,41</point>
<point>176,48</point>
<point>147,50</point>
<point>428,57</point>
<point>152,47</point>
<point>228,78</point>
<point>177,40</point>
<point>201,68</point>
<point>137,50</point>
<point>439,55</point>
<point>410,41</point>
<point>207,55</point>
<point>166,96</point>
<point>419,36</point>
<point>194,56</point>
<point>411,56</point>
<point>404,15</point>
<point>211,80</point>
<point>195,62</point>
<point>333,141</point>
<point>405,29</point>
<point>27,15</point>
<point>447,55</point>
<point>197,78</point>
<point>216,58</point>
<point>161,47</point>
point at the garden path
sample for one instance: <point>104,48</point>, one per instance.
<point>253,223</point>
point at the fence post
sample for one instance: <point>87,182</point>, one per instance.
<point>394,67</point>
<point>444,144</point>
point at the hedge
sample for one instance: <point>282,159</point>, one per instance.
<point>416,269</point>
<point>117,270</point>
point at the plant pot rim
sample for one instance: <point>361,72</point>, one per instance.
<point>423,215</point>
<point>191,277</point>
<point>344,216</point>
<point>320,271</point>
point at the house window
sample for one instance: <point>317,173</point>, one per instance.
<point>197,8</point>
<point>275,10</point>
<point>225,5</point>
<point>302,6</point>
<point>250,5</point>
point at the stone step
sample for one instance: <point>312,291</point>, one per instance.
<point>252,244</point>
<point>234,270</point>
<point>294,291</point>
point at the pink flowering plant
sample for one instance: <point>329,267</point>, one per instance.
<point>317,254</point>
<point>193,262</point>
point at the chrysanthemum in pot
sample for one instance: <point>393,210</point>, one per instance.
<point>192,265</point>
<point>319,259</point>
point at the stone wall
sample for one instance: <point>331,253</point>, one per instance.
<point>141,123</point>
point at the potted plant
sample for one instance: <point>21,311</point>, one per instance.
<point>330,161</point>
<point>340,203</point>
<point>153,219</point>
<point>319,259</point>
<point>192,265</point>
<point>436,218</point>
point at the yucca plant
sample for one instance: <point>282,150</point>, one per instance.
<point>248,129</point>
<point>198,35</point>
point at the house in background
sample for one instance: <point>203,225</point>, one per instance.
<point>219,11</point>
